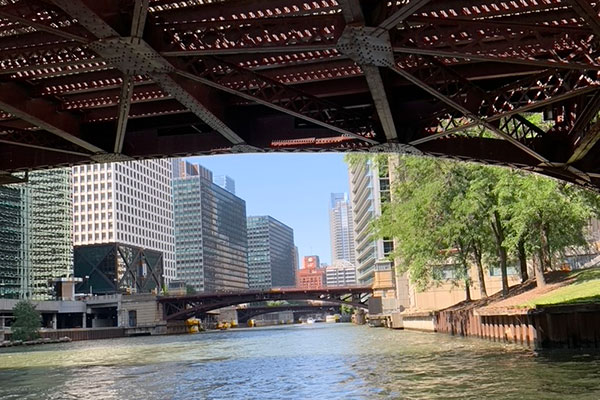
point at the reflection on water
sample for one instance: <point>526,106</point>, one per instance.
<point>338,361</point>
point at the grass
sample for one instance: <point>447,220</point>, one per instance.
<point>585,288</point>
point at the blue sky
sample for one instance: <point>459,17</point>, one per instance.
<point>293,188</point>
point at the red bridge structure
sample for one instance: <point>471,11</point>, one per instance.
<point>183,307</point>
<point>95,81</point>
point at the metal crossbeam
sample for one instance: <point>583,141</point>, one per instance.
<point>133,56</point>
<point>262,90</point>
<point>354,17</point>
<point>15,100</point>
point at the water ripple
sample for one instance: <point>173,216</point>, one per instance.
<point>314,362</point>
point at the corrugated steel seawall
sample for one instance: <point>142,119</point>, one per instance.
<point>573,326</point>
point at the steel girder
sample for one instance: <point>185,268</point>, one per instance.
<point>247,313</point>
<point>183,307</point>
<point>167,78</point>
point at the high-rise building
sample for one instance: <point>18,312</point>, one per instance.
<point>35,234</point>
<point>210,232</point>
<point>225,182</point>
<point>270,253</point>
<point>341,273</point>
<point>311,276</point>
<point>128,203</point>
<point>341,228</point>
<point>369,189</point>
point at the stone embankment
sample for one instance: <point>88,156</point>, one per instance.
<point>518,319</point>
<point>11,343</point>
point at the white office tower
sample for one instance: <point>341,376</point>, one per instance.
<point>129,203</point>
<point>341,273</point>
<point>369,188</point>
<point>341,228</point>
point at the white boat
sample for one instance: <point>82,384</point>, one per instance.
<point>310,321</point>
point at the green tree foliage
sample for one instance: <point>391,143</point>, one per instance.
<point>462,214</point>
<point>27,321</point>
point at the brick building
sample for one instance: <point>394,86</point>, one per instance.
<point>311,276</point>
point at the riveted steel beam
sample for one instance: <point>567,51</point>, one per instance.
<point>44,114</point>
<point>133,56</point>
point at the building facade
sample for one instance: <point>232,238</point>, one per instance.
<point>225,182</point>
<point>210,232</point>
<point>341,229</point>
<point>311,276</point>
<point>369,189</point>
<point>271,253</point>
<point>341,273</point>
<point>130,203</point>
<point>36,244</point>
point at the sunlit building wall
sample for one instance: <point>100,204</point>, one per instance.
<point>35,234</point>
<point>341,230</point>
<point>129,203</point>
<point>341,273</point>
<point>369,189</point>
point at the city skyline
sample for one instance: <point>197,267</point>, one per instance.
<point>292,188</point>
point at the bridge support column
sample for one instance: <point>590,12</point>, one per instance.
<point>359,317</point>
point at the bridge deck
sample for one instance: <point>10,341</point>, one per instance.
<point>87,81</point>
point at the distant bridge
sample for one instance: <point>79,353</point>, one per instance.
<point>183,307</point>
<point>246,313</point>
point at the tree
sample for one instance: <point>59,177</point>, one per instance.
<point>422,219</point>
<point>445,212</point>
<point>549,216</point>
<point>27,321</point>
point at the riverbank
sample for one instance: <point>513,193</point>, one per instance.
<point>565,314</point>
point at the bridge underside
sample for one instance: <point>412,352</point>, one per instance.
<point>183,307</point>
<point>245,314</point>
<point>89,81</point>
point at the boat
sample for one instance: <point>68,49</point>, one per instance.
<point>310,321</point>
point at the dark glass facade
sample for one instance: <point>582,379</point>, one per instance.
<point>270,253</point>
<point>210,235</point>
<point>11,236</point>
<point>118,268</point>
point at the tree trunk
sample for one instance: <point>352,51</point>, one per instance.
<point>545,244</point>
<point>522,260</point>
<point>480,273</point>
<point>498,230</point>
<point>540,280</point>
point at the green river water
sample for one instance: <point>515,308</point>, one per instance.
<point>319,361</point>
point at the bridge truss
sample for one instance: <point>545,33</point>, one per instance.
<point>183,307</point>
<point>93,81</point>
<point>245,314</point>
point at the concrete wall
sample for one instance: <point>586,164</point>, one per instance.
<point>419,322</point>
<point>148,310</point>
<point>445,294</point>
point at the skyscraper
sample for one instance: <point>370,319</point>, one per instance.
<point>369,189</point>
<point>210,232</point>
<point>341,228</point>
<point>35,234</point>
<point>270,253</point>
<point>128,203</point>
<point>225,182</point>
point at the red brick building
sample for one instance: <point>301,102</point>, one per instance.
<point>311,276</point>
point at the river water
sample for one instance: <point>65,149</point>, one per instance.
<point>319,361</point>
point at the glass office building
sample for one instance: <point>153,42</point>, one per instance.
<point>35,234</point>
<point>271,253</point>
<point>210,232</point>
